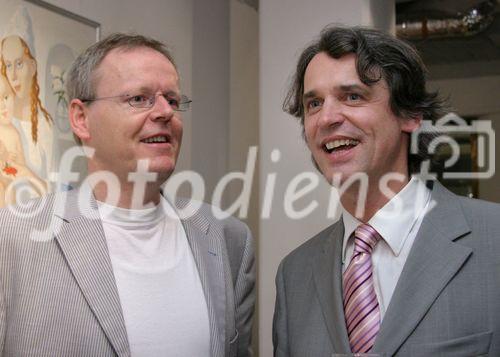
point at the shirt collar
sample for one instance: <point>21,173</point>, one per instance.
<point>395,219</point>
<point>149,215</point>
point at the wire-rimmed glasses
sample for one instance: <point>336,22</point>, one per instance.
<point>144,101</point>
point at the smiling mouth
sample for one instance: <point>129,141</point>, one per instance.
<point>159,139</point>
<point>340,145</point>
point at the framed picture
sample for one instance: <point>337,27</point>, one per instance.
<point>39,42</point>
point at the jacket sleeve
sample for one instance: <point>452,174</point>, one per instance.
<point>3,322</point>
<point>280,334</point>
<point>245,297</point>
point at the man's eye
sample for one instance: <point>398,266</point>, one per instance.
<point>353,97</point>
<point>313,105</point>
<point>138,99</point>
<point>173,102</point>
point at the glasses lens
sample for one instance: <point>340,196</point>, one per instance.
<point>141,101</point>
<point>147,101</point>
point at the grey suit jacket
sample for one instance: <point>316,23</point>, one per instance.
<point>58,295</point>
<point>446,302</point>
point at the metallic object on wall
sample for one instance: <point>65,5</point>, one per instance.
<point>474,21</point>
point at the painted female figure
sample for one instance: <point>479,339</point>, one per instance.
<point>31,119</point>
<point>13,170</point>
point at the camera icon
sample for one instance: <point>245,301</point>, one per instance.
<point>445,132</point>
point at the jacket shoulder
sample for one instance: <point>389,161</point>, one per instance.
<point>197,210</point>
<point>483,218</point>
<point>479,209</point>
<point>18,220</point>
<point>300,255</point>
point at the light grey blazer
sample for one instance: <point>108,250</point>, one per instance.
<point>58,295</point>
<point>446,302</point>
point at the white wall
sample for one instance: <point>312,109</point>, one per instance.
<point>244,107</point>
<point>286,27</point>
<point>210,111</point>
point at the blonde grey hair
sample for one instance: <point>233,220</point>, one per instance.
<point>81,76</point>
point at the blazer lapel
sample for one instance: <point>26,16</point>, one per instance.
<point>81,239</point>
<point>208,254</point>
<point>327,272</point>
<point>434,259</point>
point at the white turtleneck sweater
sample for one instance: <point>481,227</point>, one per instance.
<point>158,283</point>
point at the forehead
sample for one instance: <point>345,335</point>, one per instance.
<point>325,73</point>
<point>137,67</point>
<point>323,69</point>
<point>12,47</point>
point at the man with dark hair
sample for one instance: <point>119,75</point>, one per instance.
<point>113,268</point>
<point>409,270</point>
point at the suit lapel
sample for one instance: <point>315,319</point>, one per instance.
<point>434,259</point>
<point>206,247</point>
<point>82,242</point>
<point>328,263</point>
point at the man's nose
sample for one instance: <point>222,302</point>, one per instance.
<point>331,113</point>
<point>162,110</point>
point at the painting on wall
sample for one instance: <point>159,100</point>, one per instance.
<point>39,41</point>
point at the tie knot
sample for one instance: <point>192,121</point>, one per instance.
<point>365,238</point>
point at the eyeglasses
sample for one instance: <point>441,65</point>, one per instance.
<point>142,101</point>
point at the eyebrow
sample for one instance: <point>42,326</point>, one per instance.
<point>148,90</point>
<point>309,94</point>
<point>353,87</point>
<point>342,87</point>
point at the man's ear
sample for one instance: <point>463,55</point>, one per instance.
<point>409,125</point>
<point>78,119</point>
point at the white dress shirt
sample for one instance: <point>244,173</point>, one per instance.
<point>398,223</point>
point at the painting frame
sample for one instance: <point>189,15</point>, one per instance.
<point>69,14</point>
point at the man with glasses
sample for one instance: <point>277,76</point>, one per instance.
<point>119,270</point>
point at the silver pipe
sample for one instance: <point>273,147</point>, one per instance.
<point>476,20</point>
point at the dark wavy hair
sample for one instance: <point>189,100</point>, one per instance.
<point>378,56</point>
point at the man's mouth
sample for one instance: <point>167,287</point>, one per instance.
<point>155,139</point>
<point>340,144</point>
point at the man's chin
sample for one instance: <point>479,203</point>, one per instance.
<point>334,177</point>
<point>344,180</point>
<point>151,172</point>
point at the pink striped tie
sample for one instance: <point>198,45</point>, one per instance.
<point>361,308</point>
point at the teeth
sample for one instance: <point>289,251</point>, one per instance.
<point>338,143</point>
<point>156,139</point>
